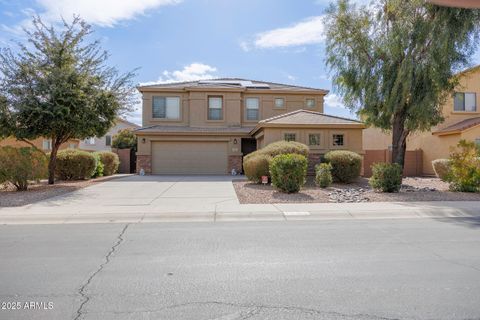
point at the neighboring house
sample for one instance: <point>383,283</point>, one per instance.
<point>105,143</point>
<point>462,121</point>
<point>41,143</point>
<point>206,127</point>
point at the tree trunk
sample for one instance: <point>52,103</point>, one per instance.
<point>399,139</point>
<point>52,164</point>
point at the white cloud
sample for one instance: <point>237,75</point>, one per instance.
<point>334,101</point>
<point>191,72</point>
<point>104,12</point>
<point>305,32</point>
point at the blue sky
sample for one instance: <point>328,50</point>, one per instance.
<point>170,40</point>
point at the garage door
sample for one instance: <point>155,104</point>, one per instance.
<point>189,157</point>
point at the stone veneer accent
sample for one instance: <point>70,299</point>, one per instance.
<point>235,162</point>
<point>145,162</point>
<point>313,160</point>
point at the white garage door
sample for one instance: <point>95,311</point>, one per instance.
<point>189,157</point>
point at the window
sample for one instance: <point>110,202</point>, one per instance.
<point>166,108</point>
<point>289,136</point>
<point>72,146</point>
<point>90,141</point>
<point>252,108</point>
<point>47,144</point>
<point>108,141</point>
<point>279,103</point>
<point>310,103</point>
<point>314,139</point>
<point>338,140</point>
<point>464,101</point>
<point>215,105</point>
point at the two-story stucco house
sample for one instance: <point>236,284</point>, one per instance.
<point>207,126</point>
<point>462,121</point>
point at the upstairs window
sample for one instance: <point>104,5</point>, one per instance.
<point>215,108</point>
<point>465,101</point>
<point>310,102</point>
<point>289,136</point>
<point>166,108</point>
<point>253,105</point>
<point>338,140</point>
<point>279,103</point>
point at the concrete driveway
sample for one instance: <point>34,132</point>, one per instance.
<point>135,199</point>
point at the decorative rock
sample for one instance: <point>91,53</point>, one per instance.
<point>350,195</point>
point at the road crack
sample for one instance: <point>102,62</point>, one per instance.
<point>82,290</point>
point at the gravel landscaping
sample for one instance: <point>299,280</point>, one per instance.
<point>9,197</point>
<point>413,189</point>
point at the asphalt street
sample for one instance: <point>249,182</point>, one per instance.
<point>343,269</point>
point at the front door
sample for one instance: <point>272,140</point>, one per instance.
<point>249,145</point>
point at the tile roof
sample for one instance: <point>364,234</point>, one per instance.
<point>230,83</point>
<point>306,117</point>
<point>459,126</point>
<point>185,129</point>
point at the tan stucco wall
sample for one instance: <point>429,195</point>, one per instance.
<point>37,142</point>
<point>194,107</point>
<point>353,138</point>
<point>433,146</point>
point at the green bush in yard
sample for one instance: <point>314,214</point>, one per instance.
<point>386,177</point>
<point>323,175</point>
<point>99,167</point>
<point>255,169</point>
<point>441,168</point>
<point>75,165</point>
<point>288,172</point>
<point>257,166</point>
<point>110,162</point>
<point>464,173</point>
<point>18,166</point>
<point>346,165</point>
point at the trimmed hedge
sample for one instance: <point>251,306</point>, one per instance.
<point>323,175</point>
<point>346,165</point>
<point>99,167</point>
<point>75,165</point>
<point>441,168</point>
<point>259,166</point>
<point>386,177</point>
<point>110,162</point>
<point>256,167</point>
<point>288,172</point>
<point>18,166</point>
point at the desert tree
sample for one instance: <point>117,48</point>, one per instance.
<point>394,61</point>
<point>57,85</point>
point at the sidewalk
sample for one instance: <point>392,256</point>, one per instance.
<point>221,210</point>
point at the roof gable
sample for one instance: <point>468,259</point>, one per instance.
<point>308,117</point>
<point>459,126</point>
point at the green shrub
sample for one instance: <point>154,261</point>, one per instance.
<point>386,177</point>
<point>75,165</point>
<point>441,168</point>
<point>288,172</point>
<point>110,162</point>
<point>18,166</point>
<point>346,165</point>
<point>257,166</point>
<point>285,147</point>
<point>125,139</point>
<point>99,167</point>
<point>323,175</point>
<point>464,173</point>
